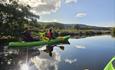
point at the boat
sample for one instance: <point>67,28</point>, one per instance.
<point>110,65</point>
<point>24,44</point>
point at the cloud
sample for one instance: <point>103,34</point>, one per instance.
<point>70,1</point>
<point>55,20</point>
<point>42,6</point>
<point>81,14</point>
<point>49,20</point>
<point>70,61</point>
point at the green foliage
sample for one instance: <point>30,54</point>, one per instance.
<point>113,31</point>
<point>13,16</point>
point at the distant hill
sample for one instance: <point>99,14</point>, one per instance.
<point>71,26</point>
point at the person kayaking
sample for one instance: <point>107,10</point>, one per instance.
<point>27,35</point>
<point>50,34</point>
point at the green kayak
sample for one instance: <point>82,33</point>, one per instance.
<point>38,43</point>
<point>111,64</point>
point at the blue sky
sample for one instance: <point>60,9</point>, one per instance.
<point>90,12</point>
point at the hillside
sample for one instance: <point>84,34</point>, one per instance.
<point>70,26</point>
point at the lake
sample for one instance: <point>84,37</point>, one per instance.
<point>90,53</point>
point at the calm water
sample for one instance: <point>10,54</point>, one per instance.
<point>90,53</point>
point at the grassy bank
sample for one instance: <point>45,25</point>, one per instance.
<point>113,31</point>
<point>61,29</point>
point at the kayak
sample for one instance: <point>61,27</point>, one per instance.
<point>111,64</point>
<point>24,44</point>
<point>38,43</point>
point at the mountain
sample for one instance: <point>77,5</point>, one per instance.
<point>72,26</point>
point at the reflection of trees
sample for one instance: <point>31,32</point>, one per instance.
<point>9,60</point>
<point>12,59</point>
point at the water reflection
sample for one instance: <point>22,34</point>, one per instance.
<point>46,63</point>
<point>91,53</point>
<point>80,46</point>
<point>24,66</point>
<point>70,61</point>
<point>30,59</point>
<point>49,49</point>
<point>48,59</point>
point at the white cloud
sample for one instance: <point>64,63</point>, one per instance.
<point>42,6</point>
<point>49,20</point>
<point>81,14</point>
<point>32,3</point>
<point>70,1</point>
<point>55,20</point>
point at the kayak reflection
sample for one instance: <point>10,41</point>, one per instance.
<point>49,49</point>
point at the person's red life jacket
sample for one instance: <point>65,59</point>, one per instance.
<point>49,34</point>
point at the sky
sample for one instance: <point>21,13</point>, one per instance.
<point>89,12</point>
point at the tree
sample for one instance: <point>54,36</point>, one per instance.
<point>13,16</point>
